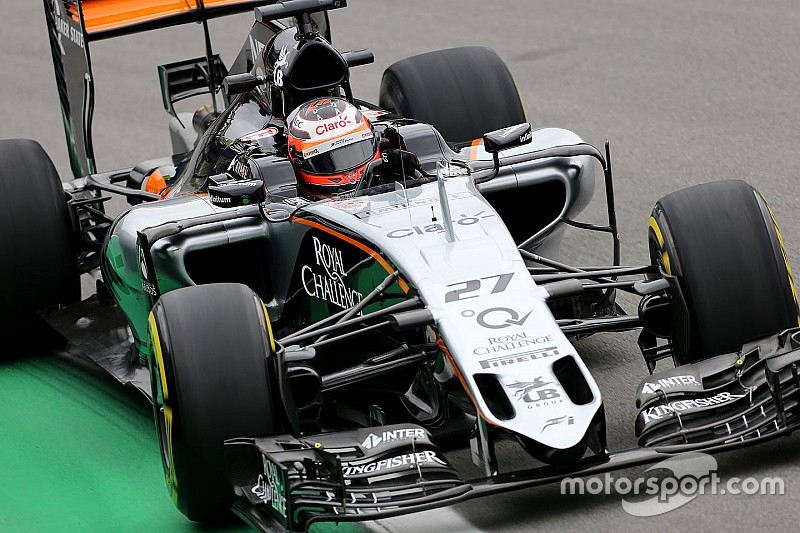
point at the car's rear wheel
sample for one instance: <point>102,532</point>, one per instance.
<point>721,245</point>
<point>463,92</point>
<point>40,265</point>
<point>211,379</point>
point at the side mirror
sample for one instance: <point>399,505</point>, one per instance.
<point>238,193</point>
<point>400,162</point>
<point>356,58</point>
<point>496,141</point>
<point>241,83</point>
<point>507,138</point>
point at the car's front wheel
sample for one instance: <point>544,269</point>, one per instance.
<point>211,381</point>
<point>721,246</point>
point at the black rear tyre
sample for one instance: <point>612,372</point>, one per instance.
<point>40,265</point>
<point>211,382</point>
<point>463,92</point>
<point>721,243</point>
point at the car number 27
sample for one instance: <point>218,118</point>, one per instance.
<point>473,288</point>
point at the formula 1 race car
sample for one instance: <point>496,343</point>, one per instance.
<point>310,354</point>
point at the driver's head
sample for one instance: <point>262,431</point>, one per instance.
<point>330,145</point>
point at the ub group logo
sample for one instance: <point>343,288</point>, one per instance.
<point>671,484</point>
<point>534,394</point>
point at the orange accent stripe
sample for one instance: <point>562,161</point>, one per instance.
<point>155,183</point>
<point>473,152</point>
<point>463,381</point>
<point>102,15</point>
<point>369,251</point>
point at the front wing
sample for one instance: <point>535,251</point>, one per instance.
<point>283,483</point>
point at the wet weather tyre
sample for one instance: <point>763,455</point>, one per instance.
<point>731,280</point>
<point>40,265</point>
<point>463,92</point>
<point>211,382</point>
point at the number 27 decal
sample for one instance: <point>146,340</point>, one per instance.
<point>474,286</point>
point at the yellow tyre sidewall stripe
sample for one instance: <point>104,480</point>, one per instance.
<point>170,478</point>
<point>783,253</point>
<point>269,327</point>
<point>653,225</point>
<point>157,351</point>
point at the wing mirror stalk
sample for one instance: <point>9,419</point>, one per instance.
<point>505,139</point>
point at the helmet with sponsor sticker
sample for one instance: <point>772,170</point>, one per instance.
<point>330,144</point>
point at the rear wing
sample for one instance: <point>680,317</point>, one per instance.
<point>73,24</point>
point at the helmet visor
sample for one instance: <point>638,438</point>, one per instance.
<point>340,159</point>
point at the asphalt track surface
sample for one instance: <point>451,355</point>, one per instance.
<point>686,91</point>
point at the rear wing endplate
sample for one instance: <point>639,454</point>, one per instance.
<point>73,24</point>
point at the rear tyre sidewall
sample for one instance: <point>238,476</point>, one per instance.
<point>721,243</point>
<point>463,92</point>
<point>40,263</point>
<point>211,372</point>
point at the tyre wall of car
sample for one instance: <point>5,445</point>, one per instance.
<point>212,381</point>
<point>722,244</point>
<point>463,92</point>
<point>40,264</point>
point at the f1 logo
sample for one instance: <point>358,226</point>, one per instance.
<point>555,421</point>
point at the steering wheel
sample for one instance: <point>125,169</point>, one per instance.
<point>388,173</point>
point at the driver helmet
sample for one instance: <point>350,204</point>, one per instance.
<point>330,144</point>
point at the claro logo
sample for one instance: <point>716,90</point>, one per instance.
<point>462,220</point>
<point>332,126</point>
